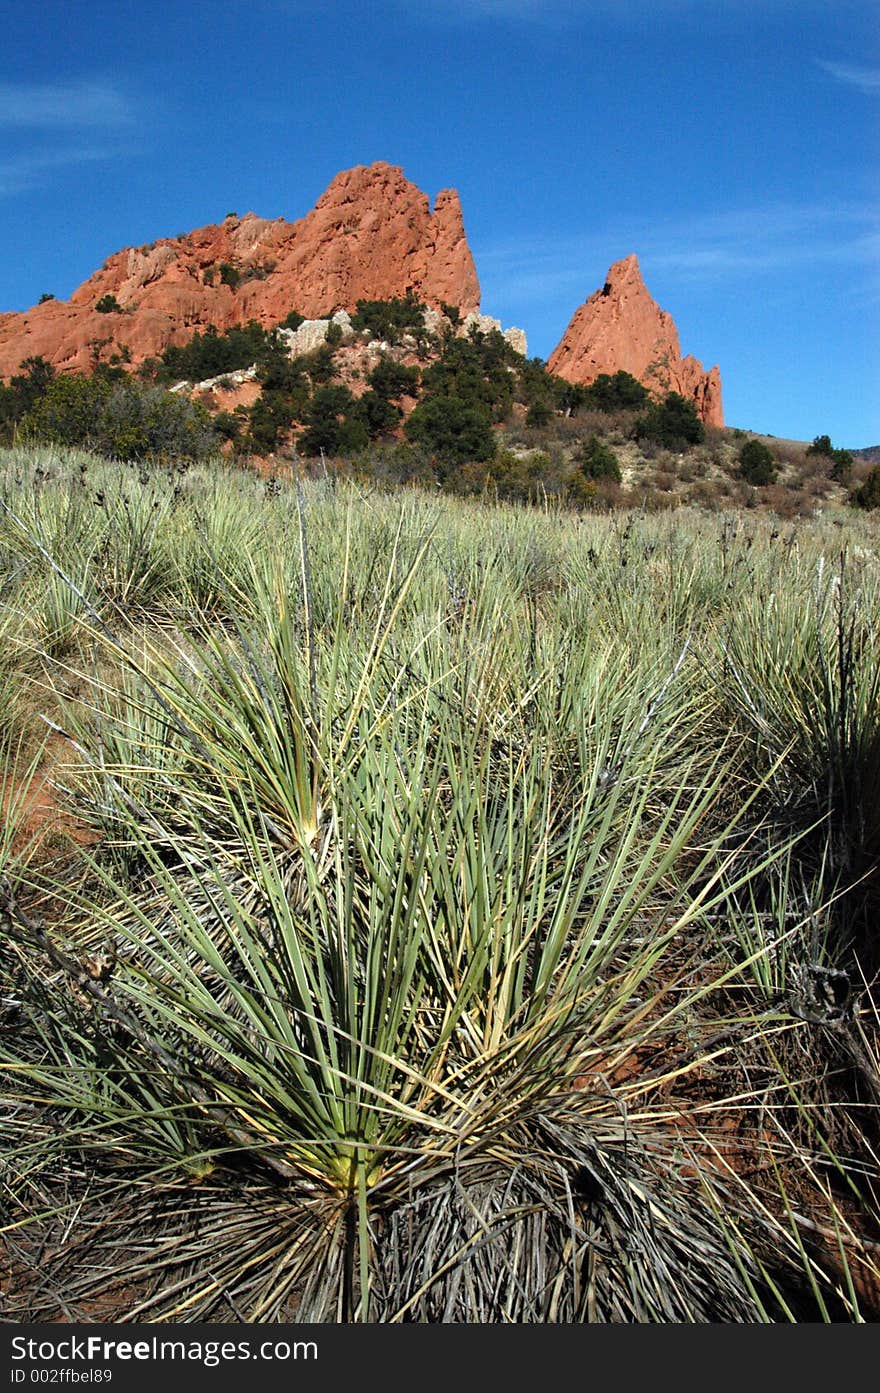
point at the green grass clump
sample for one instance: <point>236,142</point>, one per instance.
<point>461,920</point>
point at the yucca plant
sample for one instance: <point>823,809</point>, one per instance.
<point>439,956</point>
<point>394,1000</point>
<point>797,669</point>
<point>136,558</point>
<point>14,678</point>
<point>414,1042</point>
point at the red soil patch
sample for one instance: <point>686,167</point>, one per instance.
<point>34,807</point>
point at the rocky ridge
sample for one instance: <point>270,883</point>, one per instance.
<point>372,235</point>
<point>621,328</point>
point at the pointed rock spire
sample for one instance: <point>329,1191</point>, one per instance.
<point>620,328</point>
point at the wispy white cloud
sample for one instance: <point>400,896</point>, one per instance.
<point>18,173</point>
<point>569,11</point>
<point>865,79</point>
<point>769,239</point>
<point>62,106</point>
<point>549,14</point>
<point>496,9</point>
<point>724,246</point>
<point>505,8</point>
<point>50,127</point>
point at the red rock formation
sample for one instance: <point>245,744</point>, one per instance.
<point>622,329</point>
<point>371,236</point>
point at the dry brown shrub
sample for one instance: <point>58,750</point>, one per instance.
<point>787,452</point>
<point>785,501</point>
<point>707,493</point>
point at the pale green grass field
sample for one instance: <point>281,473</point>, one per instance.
<point>451,912</point>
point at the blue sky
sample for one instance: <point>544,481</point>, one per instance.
<point>732,144</point>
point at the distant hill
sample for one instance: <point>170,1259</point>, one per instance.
<point>871,453</point>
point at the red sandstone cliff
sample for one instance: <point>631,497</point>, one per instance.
<point>621,328</point>
<point>371,236</point>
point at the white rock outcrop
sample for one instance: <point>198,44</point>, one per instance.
<point>313,332</point>
<point>485,323</point>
